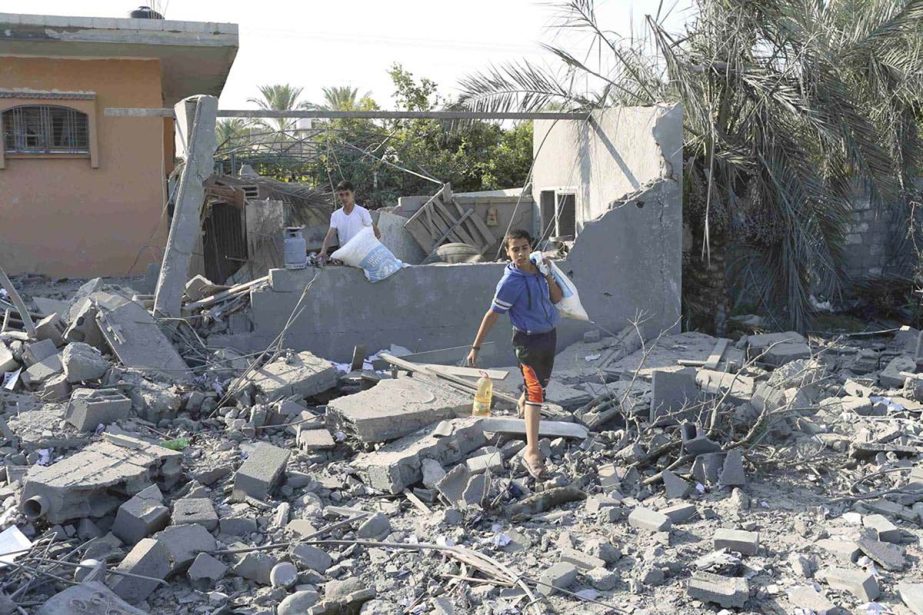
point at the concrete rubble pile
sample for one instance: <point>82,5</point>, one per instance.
<point>147,472</point>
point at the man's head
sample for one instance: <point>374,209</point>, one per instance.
<point>345,193</point>
<point>518,245</point>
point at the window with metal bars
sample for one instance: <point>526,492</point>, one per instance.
<point>45,129</point>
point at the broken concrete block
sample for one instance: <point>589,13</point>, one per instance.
<point>315,440</point>
<point>397,465</point>
<point>312,558</point>
<point>376,526</point>
<point>37,373</point>
<point>802,565</point>
<point>199,511</point>
<point>86,483</point>
<point>546,429</point>
<point>674,486</point>
<point>301,374</point>
<point>82,362</point>
<point>261,472</point>
<point>858,405</point>
<point>89,408</point>
<point>780,354</point>
<point>912,596</point>
<point>812,601</point>
<point>185,542</point>
<point>679,513</point>
<point>199,287</point>
<point>581,560</point>
<point>890,377</point>
<point>395,408</point>
<point>55,389</point>
<point>206,568</point>
<point>103,600</point>
<point>148,558</point>
<point>141,516</point>
<point>728,592</point>
<point>83,327</point>
<point>432,472</point>
<point>38,351</point>
<point>671,391</point>
<point>7,362</point>
<point>859,583</point>
<point>453,484</point>
<point>255,566</point>
<point>740,541</point>
<point>732,473</point>
<point>138,342</point>
<point>884,529</point>
<point>602,579</point>
<point>695,442</point>
<point>788,345</point>
<point>647,519</point>
<point>886,555</point>
<point>560,576</point>
<point>844,550</point>
<point>492,462</point>
<point>51,327</point>
<point>707,468</point>
<point>476,490</point>
<point>237,526</point>
<point>734,388</point>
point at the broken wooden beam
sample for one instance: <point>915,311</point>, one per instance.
<point>549,429</point>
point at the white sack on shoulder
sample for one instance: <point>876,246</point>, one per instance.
<point>569,306</point>
<point>367,253</point>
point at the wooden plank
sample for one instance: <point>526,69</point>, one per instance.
<point>419,233</point>
<point>448,225</point>
<point>715,357</point>
<point>421,506</point>
<point>440,210</point>
<point>549,429</point>
<point>478,227</point>
<point>467,372</point>
<point>443,237</point>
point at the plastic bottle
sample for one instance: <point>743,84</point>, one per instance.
<point>484,396</point>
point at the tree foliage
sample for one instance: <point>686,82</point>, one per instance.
<point>787,105</point>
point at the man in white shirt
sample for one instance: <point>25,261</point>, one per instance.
<point>348,220</point>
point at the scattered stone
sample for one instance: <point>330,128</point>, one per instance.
<point>432,472</point>
<point>811,600</point>
<point>82,362</point>
<point>195,510</point>
<point>376,526</point>
<point>315,440</point>
<point>283,574</point>
<point>206,568</point>
<point>680,512</point>
<point>185,542</point>
<point>581,560</point>
<point>885,530</point>
<point>312,558</point>
<point>602,579</point>
<point>802,565</point>
<point>141,516</point>
<point>912,596</point>
<point>733,474</point>
<point>728,592</point>
<point>298,603</point>
<point>255,566</point>
<point>888,556</point>
<point>86,593</point>
<point>560,576</point>
<point>676,488</point>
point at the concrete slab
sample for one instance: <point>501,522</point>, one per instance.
<point>671,391</point>
<point>261,472</point>
<point>83,484</point>
<point>297,373</point>
<point>725,591</point>
<point>89,408</point>
<point>148,558</point>
<point>82,362</point>
<point>138,342</point>
<point>103,599</point>
<point>546,429</point>
<point>395,408</point>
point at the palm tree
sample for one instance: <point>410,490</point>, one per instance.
<point>279,97</point>
<point>344,98</point>
<point>787,104</point>
<point>232,132</point>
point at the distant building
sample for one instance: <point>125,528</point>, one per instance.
<point>81,193</point>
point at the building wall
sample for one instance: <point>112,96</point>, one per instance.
<point>877,243</point>
<point>61,217</point>
<point>616,152</point>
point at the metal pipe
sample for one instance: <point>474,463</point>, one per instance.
<point>369,115</point>
<point>35,507</point>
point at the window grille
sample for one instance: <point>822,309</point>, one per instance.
<point>45,129</point>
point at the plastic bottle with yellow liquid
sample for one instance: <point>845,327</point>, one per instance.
<point>484,396</point>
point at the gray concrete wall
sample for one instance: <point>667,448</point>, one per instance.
<point>616,152</point>
<point>628,261</point>
<point>876,243</point>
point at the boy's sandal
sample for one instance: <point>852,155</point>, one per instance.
<point>536,472</point>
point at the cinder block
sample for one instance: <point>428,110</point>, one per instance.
<point>37,351</point>
<point>740,541</point>
<point>206,568</point>
<point>581,560</point>
<point>84,328</point>
<point>199,511</point>
<point>859,583</point>
<point>647,519</point>
<point>728,592</point>
<point>560,576</point>
<point>141,516</point>
<point>52,327</point>
<point>671,391</point>
<point>261,472</point>
<point>148,558</point>
<point>679,513</point>
<point>88,408</point>
<point>185,542</point>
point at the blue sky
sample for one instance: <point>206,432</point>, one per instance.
<point>354,42</point>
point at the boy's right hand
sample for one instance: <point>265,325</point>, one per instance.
<point>472,359</point>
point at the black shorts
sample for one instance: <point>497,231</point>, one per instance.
<point>536,360</point>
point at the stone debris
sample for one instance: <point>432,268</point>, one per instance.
<point>128,446</point>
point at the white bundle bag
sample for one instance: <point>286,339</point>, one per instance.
<point>367,253</point>
<point>569,306</point>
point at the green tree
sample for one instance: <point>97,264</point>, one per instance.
<point>279,97</point>
<point>787,104</point>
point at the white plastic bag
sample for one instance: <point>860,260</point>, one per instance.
<point>366,252</point>
<point>569,306</point>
